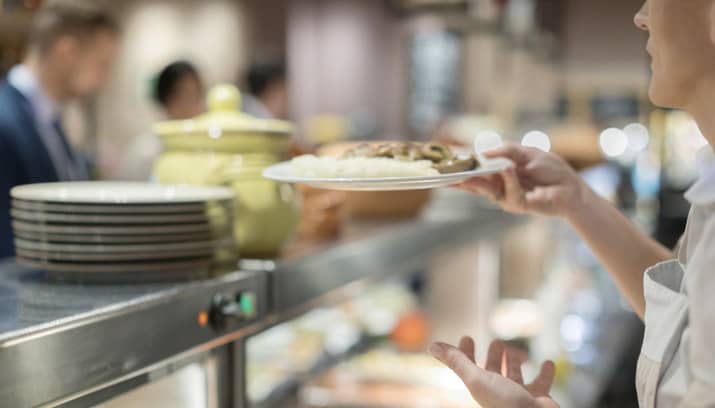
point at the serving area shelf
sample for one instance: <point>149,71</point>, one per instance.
<point>77,345</point>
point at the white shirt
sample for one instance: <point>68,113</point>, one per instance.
<point>254,107</point>
<point>46,114</point>
<point>677,363</point>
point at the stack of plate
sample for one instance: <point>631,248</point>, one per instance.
<point>109,231</point>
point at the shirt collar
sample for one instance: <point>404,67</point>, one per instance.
<point>25,81</point>
<point>703,190</point>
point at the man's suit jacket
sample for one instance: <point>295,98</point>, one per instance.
<point>24,158</point>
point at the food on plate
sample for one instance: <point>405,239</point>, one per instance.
<point>359,167</point>
<point>386,160</point>
<point>441,156</point>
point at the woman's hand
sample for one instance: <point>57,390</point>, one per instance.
<point>540,183</point>
<point>491,386</point>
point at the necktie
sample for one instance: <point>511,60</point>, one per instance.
<point>76,168</point>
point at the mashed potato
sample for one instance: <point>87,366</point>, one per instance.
<point>359,167</point>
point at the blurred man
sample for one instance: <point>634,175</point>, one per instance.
<point>71,49</point>
<point>269,93</point>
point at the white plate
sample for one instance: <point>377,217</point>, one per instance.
<point>107,192</point>
<point>171,249</point>
<point>113,239</point>
<point>63,218</point>
<point>118,230</point>
<point>282,172</point>
<point>119,208</point>
<point>114,257</point>
<point>122,268</point>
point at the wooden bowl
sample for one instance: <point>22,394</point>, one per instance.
<point>378,204</point>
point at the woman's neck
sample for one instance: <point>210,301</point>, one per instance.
<point>702,109</point>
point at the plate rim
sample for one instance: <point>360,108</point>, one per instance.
<point>118,209</point>
<point>115,267</point>
<point>117,229</point>
<point>110,257</point>
<point>48,217</point>
<point>495,166</point>
<point>139,249</point>
<point>27,192</point>
<point>84,239</point>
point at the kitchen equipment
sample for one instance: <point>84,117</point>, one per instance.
<point>143,335</point>
<point>145,338</point>
<point>229,148</point>
<point>98,231</point>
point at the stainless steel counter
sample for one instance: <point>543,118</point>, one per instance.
<point>68,344</point>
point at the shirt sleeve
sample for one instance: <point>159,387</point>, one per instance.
<point>700,347</point>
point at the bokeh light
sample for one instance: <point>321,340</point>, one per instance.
<point>613,142</point>
<point>537,139</point>
<point>638,136</point>
<point>487,140</point>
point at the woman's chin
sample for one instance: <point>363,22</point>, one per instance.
<point>661,98</point>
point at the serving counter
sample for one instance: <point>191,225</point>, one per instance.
<point>65,344</point>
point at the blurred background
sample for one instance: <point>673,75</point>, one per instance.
<point>569,76</point>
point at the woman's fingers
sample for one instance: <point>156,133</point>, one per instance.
<point>479,382</point>
<point>542,200</point>
<point>466,346</point>
<point>513,366</point>
<point>479,186</point>
<point>513,192</point>
<point>518,154</point>
<point>490,187</point>
<point>488,386</point>
<point>495,356</point>
<point>541,385</point>
<point>474,377</point>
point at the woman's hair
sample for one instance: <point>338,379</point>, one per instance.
<point>261,75</point>
<point>169,78</point>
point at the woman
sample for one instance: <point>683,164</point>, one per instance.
<point>268,91</point>
<point>179,91</point>
<point>675,297</point>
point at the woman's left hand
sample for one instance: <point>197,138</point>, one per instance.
<point>489,386</point>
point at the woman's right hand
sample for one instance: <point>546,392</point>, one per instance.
<point>539,183</point>
<point>500,383</point>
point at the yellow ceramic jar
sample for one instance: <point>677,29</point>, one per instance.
<point>229,148</point>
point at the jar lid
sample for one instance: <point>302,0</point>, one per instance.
<point>223,116</point>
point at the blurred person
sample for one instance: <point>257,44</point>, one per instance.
<point>71,48</point>
<point>179,91</point>
<point>672,294</point>
<point>268,89</point>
